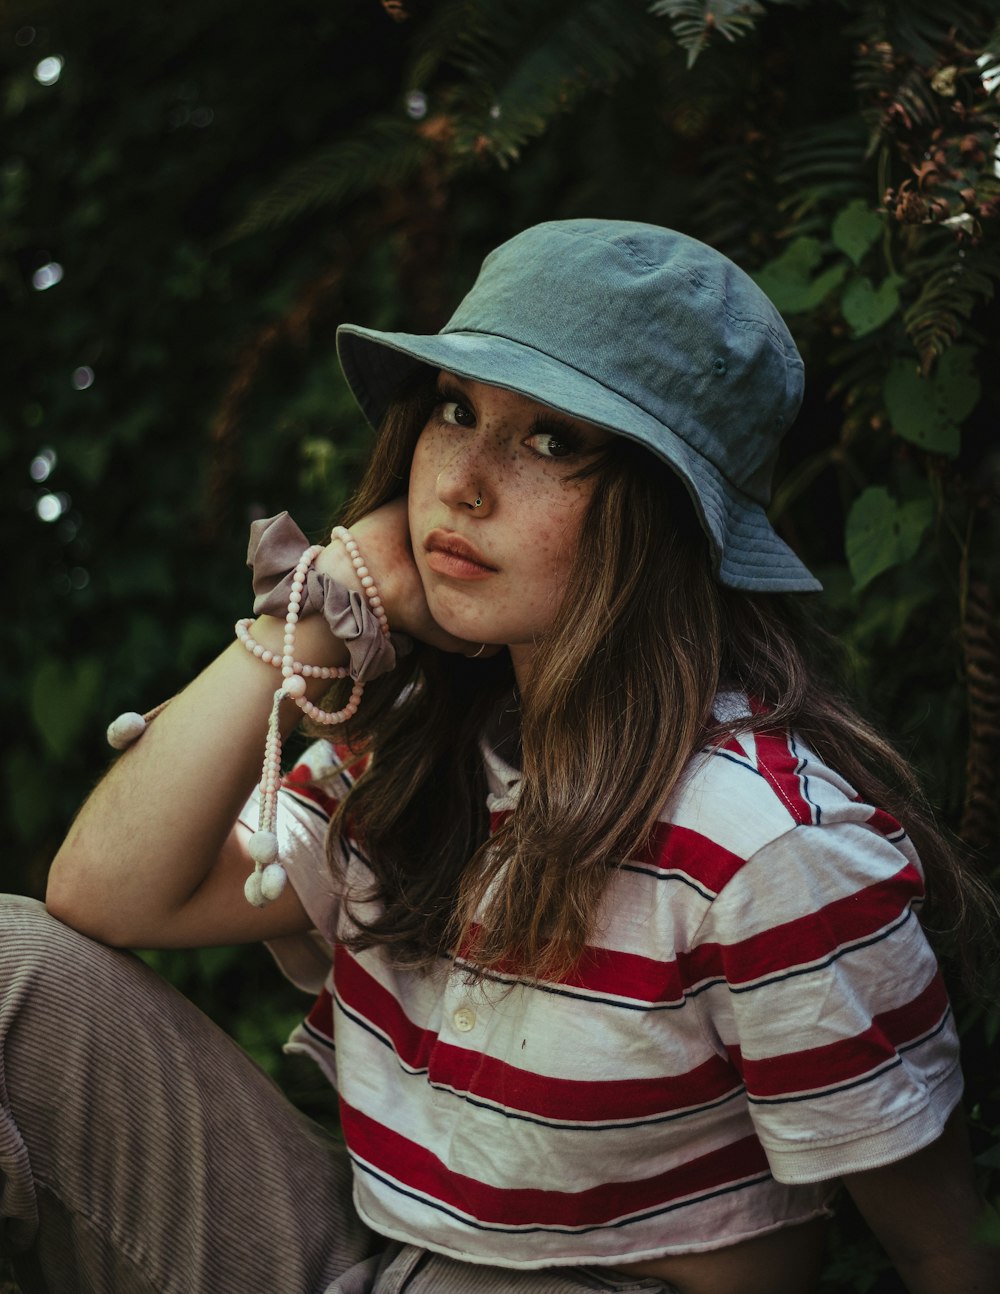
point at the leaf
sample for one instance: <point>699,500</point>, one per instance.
<point>855,228</point>
<point>882,533</point>
<point>694,21</point>
<point>987,1229</point>
<point>866,308</point>
<point>927,411</point>
<point>63,699</point>
<point>29,794</point>
<point>788,279</point>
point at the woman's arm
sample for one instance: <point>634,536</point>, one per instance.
<point>153,859</point>
<point>924,1210</point>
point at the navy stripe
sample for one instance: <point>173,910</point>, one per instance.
<point>740,763</point>
<point>660,875</point>
<point>817,1092</point>
<point>803,761</point>
<point>579,996</point>
<point>806,969</point>
<point>527,1229</point>
<point>306,803</point>
<point>520,1115</point>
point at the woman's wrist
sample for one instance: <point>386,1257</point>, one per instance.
<point>331,590</point>
<point>315,643</point>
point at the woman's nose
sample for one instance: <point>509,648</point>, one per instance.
<point>461,482</point>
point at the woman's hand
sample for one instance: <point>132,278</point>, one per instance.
<point>384,542</point>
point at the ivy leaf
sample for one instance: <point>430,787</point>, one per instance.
<point>855,228</point>
<point>927,411</point>
<point>789,281</point>
<point>63,699</point>
<point>866,308</point>
<point>882,533</point>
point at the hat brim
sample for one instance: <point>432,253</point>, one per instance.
<point>375,363</point>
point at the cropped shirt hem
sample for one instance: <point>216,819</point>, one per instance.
<point>577,1259</point>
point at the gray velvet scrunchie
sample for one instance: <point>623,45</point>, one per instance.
<point>276,544</point>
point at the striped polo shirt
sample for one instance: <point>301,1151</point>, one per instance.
<point>757,1013</point>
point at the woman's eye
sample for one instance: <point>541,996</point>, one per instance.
<point>550,446</point>
<point>458,414</point>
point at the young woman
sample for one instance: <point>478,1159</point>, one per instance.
<point>605,895</point>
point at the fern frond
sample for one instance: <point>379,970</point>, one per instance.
<point>920,29</point>
<point>383,151</point>
<point>695,22</point>
<point>522,63</point>
<point>981,643</point>
<point>953,282</point>
<point>820,169</point>
<point>859,367</point>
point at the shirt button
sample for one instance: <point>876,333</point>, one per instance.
<point>464,1019</point>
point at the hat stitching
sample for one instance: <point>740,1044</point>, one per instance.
<point>691,274</point>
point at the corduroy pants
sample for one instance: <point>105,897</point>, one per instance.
<point>142,1152</point>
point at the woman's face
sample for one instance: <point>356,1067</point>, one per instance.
<point>497,572</point>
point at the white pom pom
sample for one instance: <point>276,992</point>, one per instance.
<point>263,847</point>
<point>252,890</point>
<point>273,881</point>
<point>125,729</point>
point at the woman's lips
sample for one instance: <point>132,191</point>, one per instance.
<point>450,554</point>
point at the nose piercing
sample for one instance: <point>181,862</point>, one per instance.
<point>479,501</point>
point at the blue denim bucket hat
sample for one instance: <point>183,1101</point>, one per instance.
<point>641,330</point>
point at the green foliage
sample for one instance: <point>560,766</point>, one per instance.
<point>882,533</point>
<point>695,22</point>
<point>791,280</point>
<point>928,411</point>
<point>223,184</point>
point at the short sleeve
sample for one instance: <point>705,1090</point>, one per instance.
<point>306,802</point>
<point>814,975</point>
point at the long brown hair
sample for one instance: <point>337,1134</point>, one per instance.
<point>619,698</point>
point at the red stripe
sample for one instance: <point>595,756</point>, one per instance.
<point>884,823</point>
<point>777,762</point>
<point>320,1016</point>
<point>497,818</point>
<point>806,939</point>
<point>520,1090</point>
<point>675,848</point>
<point>414,1167</point>
<point>362,994</point>
<point>354,764</point>
<point>850,1058</point>
<point>604,971</point>
<point>299,782</point>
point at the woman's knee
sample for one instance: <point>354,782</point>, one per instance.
<point>34,942</point>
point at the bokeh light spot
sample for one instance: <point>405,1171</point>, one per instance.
<point>49,70</point>
<point>42,465</point>
<point>416,105</point>
<point>50,507</point>
<point>47,276</point>
<point>83,377</point>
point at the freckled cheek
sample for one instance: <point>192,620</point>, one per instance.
<point>553,548</point>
